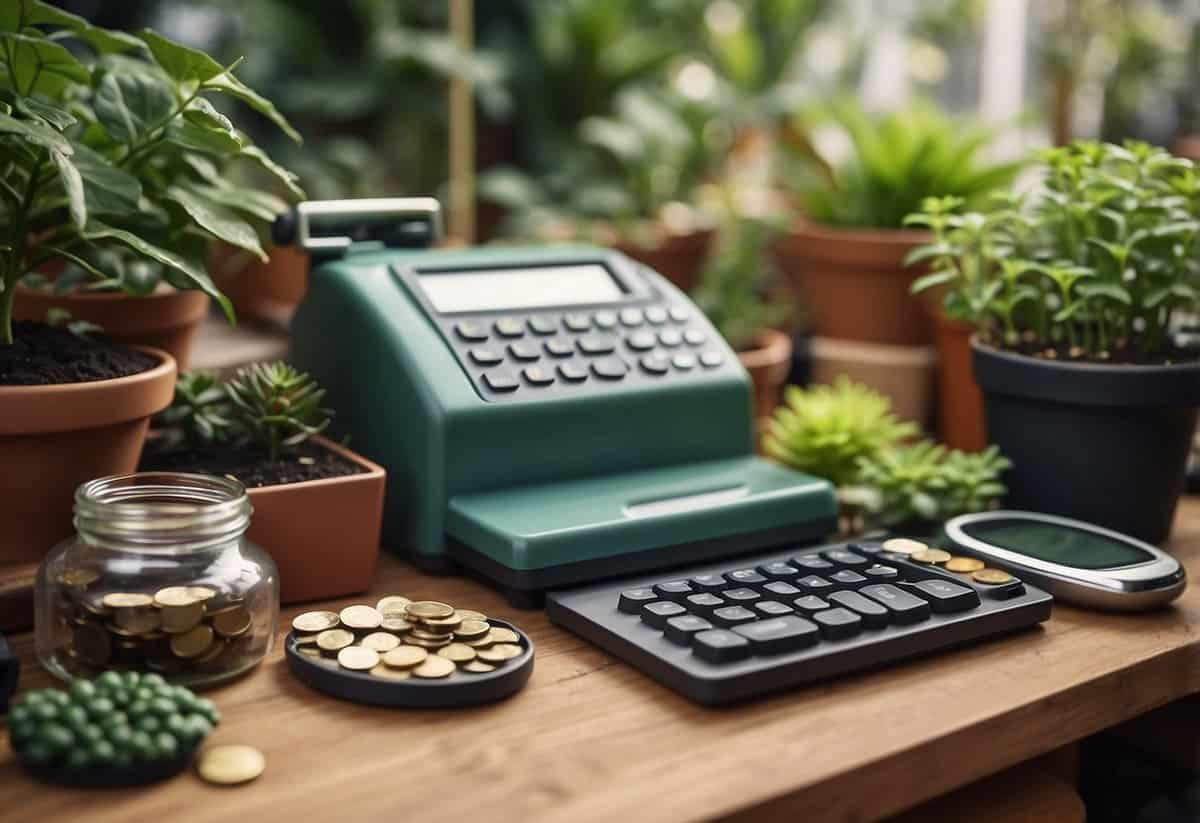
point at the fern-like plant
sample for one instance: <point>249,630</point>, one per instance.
<point>277,406</point>
<point>199,414</point>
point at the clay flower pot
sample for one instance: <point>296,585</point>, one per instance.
<point>768,364</point>
<point>679,258</point>
<point>960,403</point>
<point>168,319</point>
<point>53,438</point>
<point>854,282</point>
<point>322,534</point>
<point>261,291</point>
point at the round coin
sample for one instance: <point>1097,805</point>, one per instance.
<point>478,667</point>
<point>192,644</point>
<point>444,625</point>
<point>963,564</point>
<point>229,765</point>
<point>434,667</point>
<point>175,596</point>
<point>381,641</point>
<point>503,635</point>
<point>427,644</point>
<point>361,618</point>
<point>231,622</point>
<point>398,625</point>
<point>78,577</point>
<point>405,657</point>
<point>470,614</point>
<point>394,604</point>
<point>126,600</point>
<point>484,640</point>
<point>903,545</point>
<point>992,577</point>
<point>472,629</point>
<point>499,653</point>
<point>136,620</point>
<point>332,640</point>
<point>429,610</point>
<point>202,592</point>
<point>315,621</point>
<point>458,652</point>
<point>358,658</point>
<point>179,619</point>
<point>389,673</point>
<point>930,556</point>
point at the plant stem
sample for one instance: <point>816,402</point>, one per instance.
<point>16,259</point>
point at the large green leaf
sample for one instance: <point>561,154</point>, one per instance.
<point>38,13</point>
<point>53,116</point>
<point>195,137</point>
<point>35,132</point>
<point>290,181</point>
<point>229,84</point>
<point>40,65</point>
<point>182,63</point>
<point>108,189</point>
<point>202,112</point>
<point>191,274</point>
<point>217,220</point>
<point>131,105</point>
<point>260,204</point>
<point>73,185</point>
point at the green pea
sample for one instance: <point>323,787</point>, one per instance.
<point>120,697</point>
<point>168,746</point>
<point>102,752</point>
<point>152,680</point>
<point>138,708</point>
<point>114,720</point>
<point>209,709</point>
<point>19,714</point>
<point>82,691</point>
<point>182,694</point>
<point>109,681</point>
<point>144,693</point>
<point>132,680</point>
<point>59,698</point>
<point>74,717</point>
<point>162,707</point>
<point>148,723</point>
<point>101,707</point>
<point>90,733</point>
<point>120,736</point>
<point>31,699</point>
<point>44,712</point>
<point>78,759</point>
<point>39,753</point>
<point>57,737</point>
<point>142,746</point>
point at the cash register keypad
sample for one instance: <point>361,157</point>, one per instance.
<point>511,353</point>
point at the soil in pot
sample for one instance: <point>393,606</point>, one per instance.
<point>250,467</point>
<point>44,355</point>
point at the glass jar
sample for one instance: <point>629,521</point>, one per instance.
<point>159,577</point>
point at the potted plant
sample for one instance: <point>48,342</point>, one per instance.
<point>318,507</point>
<point>71,129</point>
<point>1075,294</point>
<point>153,157</point>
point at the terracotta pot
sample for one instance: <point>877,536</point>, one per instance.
<point>904,374</point>
<point>168,319</point>
<point>853,282</point>
<point>960,402</point>
<point>52,438</point>
<point>768,364</point>
<point>1188,146</point>
<point>680,257</point>
<point>261,291</point>
<point>322,534</point>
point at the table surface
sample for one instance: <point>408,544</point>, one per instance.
<point>592,739</point>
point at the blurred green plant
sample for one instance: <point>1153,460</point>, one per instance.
<point>199,415</point>
<point>276,406</point>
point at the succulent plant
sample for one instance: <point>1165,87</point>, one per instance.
<point>199,414</point>
<point>277,406</point>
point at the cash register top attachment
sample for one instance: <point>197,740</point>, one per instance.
<point>330,227</point>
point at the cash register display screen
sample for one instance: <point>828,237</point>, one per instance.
<point>1058,544</point>
<point>528,288</point>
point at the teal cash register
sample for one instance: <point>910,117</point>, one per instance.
<point>547,416</point>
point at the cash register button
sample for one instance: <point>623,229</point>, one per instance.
<point>538,376</point>
<point>741,595</point>
<point>811,562</point>
<point>905,608</point>
<point>745,577</point>
<point>731,616</point>
<point>486,357</point>
<point>838,624</point>
<point>772,608</point>
<point>509,327</point>
<point>596,344</point>
<point>845,558</point>
<point>694,337</point>
<point>720,646</point>
<point>679,314</point>
<point>657,613</point>
<point>500,381</point>
<point>874,615</point>
<point>641,341</point>
<point>559,347</point>
<point>847,578</point>
<point>778,570</point>
<point>631,601</point>
<point>704,602</point>
<point>524,351</point>
<point>683,362</point>
<point>814,584</point>
<point>656,315</point>
<point>571,372</point>
<point>708,582</point>
<point>681,629</point>
<point>631,317</point>
<point>779,588</point>
<point>604,319</point>
<point>881,572</point>
<point>471,331</point>
<point>945,597</point>
<point>780,634</point>
<point>577,322</point>
<point>670,338</point>
<point>674,589</point>
<point>711,359</point>
<point>540,324</point>
<point>810,604</point>
<point>610,368</point>
<point>655,363</point>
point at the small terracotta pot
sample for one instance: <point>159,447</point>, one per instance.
<point>768,363</point>
<point>853,282</point>
<point>52,438</point>
<point>168,319</point>
<point>960,402</point>
<point>680,257</point>
<point>903,374</point>
<point>323,534</point>
<point>261,291</point>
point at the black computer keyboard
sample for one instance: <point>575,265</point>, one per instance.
<point>718,633</point>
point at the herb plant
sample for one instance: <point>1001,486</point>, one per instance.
<point>1097,264</point>
<point>116,144</point>
<point>199,414</point>
<point>276,406</point>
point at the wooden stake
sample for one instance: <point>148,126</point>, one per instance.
<point>462,130</point>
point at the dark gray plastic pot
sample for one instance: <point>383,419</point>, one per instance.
<point>1104,444</point>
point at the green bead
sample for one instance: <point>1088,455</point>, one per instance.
<point>102,752</point>
<point>175,723</point>
<point>120,736</point>
<point>182,694</point>
<point>142,746</point>
<point>57,736</point>
<point>168,746</point>
<point>109,681</point>
<point>138,708</point>
<point>78,759</point>
<point>162,707</point>
<point>209,709</point>
<point>101,707</point>
<point>59,698</point>
<point>114,720</point>
<point>44,712</point>
<point>148,723</point>
<point>39,753</point>
<point>131,680</point>
<point>121,696</point>
<point>90,733</point>
<point>19,714</point>
<point>198,727</point>
<point>82,691</point>
<point>143,693</point>
<point>75,718</point>
<point>152,680</point>
<point>30,699</point>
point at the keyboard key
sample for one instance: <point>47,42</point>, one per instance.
<point>656,315</point>
<point>812,563</point>
<point>670,338</point>
<point>674,589</point>
<point>572,372</point>
<point>655,363</point>
<point>772,608</point>
<point>781,589</point>
<point>471,331</point>
<point>631,601</point>
<point>604,319</point>
<point>694,337</point>
<point>838,624</point>
<point>741,595</point>
<point>847,578</point>
<point>679,314</point>
<point>683,362</point>
<point>844,558</point>
<point>874,616</point>
<point>945,597</point>
<point>681,629</point>
<point>559,347</point>
<point>486,357</point>
<point>814,584</point>
<point>597,344</point>
<point>500,381</point>
<point>540,324</point>
<point>524,351</point>
<point>537,376</point>
<point>577,322</point>
<point>708,582</point>
<point>745,577</point>
<point>610,368</point>
<point>641,341</point>
<point>778,570</point>
<point>727,616</point>
<point>879,572</point>
<point>906,608</point>
<point>720,646</point>
<point>810,604</point>
<point>711,359</point>
<point>509,327</point>
<point>657,613</point>
<point>869,548</point>
<point>704,602</point>
<point>780,634</point>
<point>631,317</point>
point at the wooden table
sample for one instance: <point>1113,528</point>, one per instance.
<point>590,739</point>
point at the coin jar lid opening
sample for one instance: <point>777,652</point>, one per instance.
<point>162,512</point>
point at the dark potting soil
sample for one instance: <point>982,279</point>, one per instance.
<point>1124,356</point>
<point>309,462</point>
<point>44,355</point>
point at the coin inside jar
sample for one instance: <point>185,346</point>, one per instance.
<point>175,596</point>
<point>79,578</point>
<point>126,600</point>
<point>405,657</point>
<point>232,621</point>
<point>429,610</point>
<point>315,621</point>
<point>963,564</point>
<point>434,668</point>
<point>358,658</point>
<point>381,641</point>
<point>193,643</point>
<point>332,640</point>
<point>181,618</point>
<point>362,618</point>
<point>201,593</point>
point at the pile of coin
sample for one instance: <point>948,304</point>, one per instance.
<point>174,630</point>
<point>919,552</point>
<point>398,638</point>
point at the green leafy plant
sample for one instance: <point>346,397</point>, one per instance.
<point>199,414</point>
<point>896,161</point>
<point>276,406</point>
<point>1099,263</point>
<point>826,430</point>
<point>116,144</point>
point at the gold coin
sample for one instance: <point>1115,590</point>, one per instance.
<point>930,556</point>
<point>137,620</point>
<point>429,610</point>
<point>332,640</point>
<point>126,600</point>
<point>358,658</point>
<point>201,592</point>
<point>179,619</point>
<point>472,629</point>
<point>445,625</point>
<point>422,634</point>
<point>427,644</point>
<point>458,652</point>
<point>393,604</point>
<point>93,644</point>
<point>499,653</point>
<point>391,674</point>
<point>214,651</point>
<point>78,578</point>
<point>405,657</point>
<point>232,622</point>
<point>397,625</point>
<point>434,667</point>
<point>229,765</point>
<point>481,642</point>
<point>963,564</point>
<point>470,614</point>
<point>381,641</point>
<point>309,651</point>
<point>192,644</point>
<point>992,577</point>
<point>175,596</point>
<point>361,618</point>
<point>315,621</point>
<point>503,635</point>
<point>478,667</point>
<point>903,545</point>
